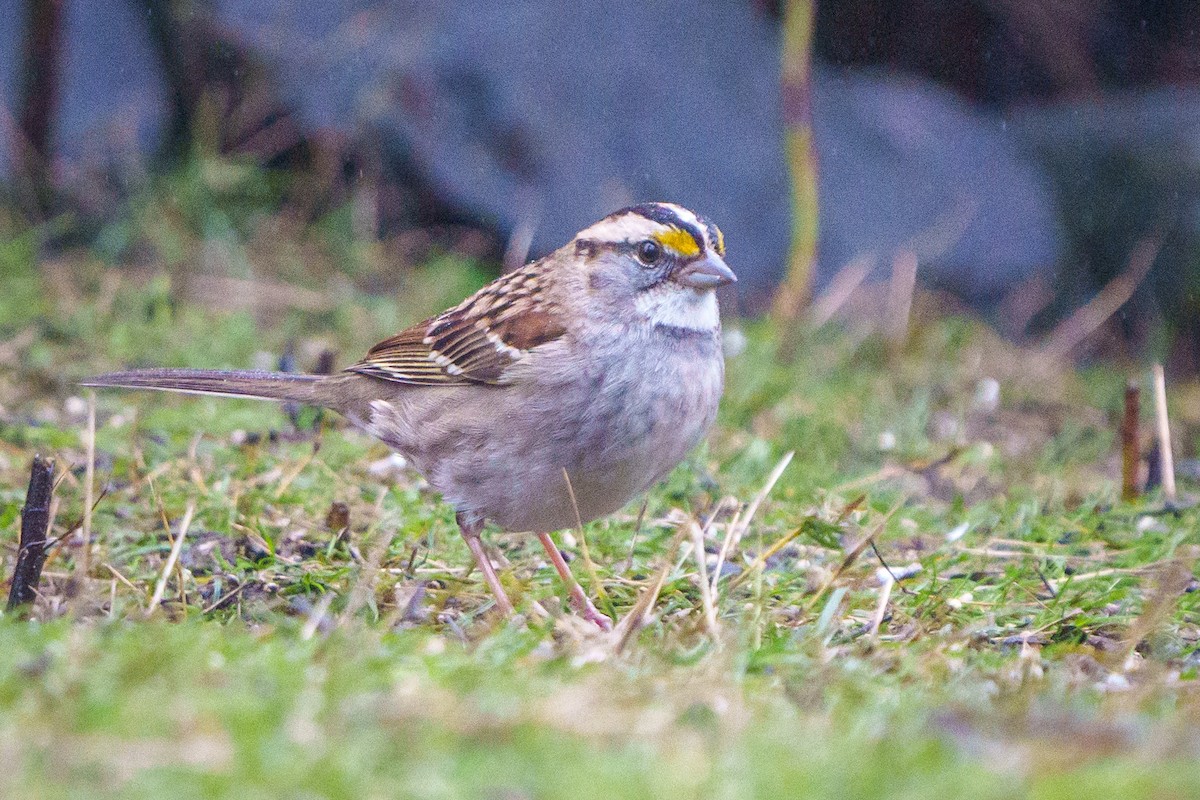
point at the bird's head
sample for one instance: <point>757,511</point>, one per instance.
<point>662,259</point>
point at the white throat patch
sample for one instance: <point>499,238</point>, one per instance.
<point>679,307</point>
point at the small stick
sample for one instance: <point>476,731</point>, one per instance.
<point>225,598</point>
<point>35,524</point>
<point>176,547</point>
<point>1164,433</point>
<point>1057,584</point>
<point>1130,447</point>
<point>118,576</point>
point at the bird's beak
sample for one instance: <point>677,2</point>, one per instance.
<point>704,273</point>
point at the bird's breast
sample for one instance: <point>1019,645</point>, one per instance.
<point>611,425</point>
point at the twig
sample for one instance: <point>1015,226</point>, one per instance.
<point>1075,612</point>
<point>225,598</point>
<point>118,576</point>
<point>1164,434</point>
<point>1045,582</point>
<point>35,524</point>
<point>1057,584</point>
<point>176,547</point>
<point>1071,332</point>
<point>1130,448</point>
<point>887,567</point>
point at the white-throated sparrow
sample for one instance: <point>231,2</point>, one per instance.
<point>570,385</point>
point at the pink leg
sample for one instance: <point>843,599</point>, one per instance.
<point>579,601</point>
<point>470,527</point>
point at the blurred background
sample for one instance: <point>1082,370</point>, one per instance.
<point>1035,163</point>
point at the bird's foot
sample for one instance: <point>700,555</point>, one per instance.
<point>584,608</point>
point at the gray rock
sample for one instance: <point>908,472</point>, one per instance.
<point>906,164</point>
<point>523,114</point>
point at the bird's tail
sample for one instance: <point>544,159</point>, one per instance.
<point>280,386</point>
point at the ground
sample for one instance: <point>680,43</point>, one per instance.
<point>321,634</point>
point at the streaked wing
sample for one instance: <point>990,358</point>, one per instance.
<point>474,342</point>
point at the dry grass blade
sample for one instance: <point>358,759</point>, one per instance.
<point>885,594</point>
<point>738,527</point>
<point>840,288</point>
<point>176,547</point>
<point>370,570</point>
<point>636,618</point>
<point>589,565</point>
<point>761,562</point>
<point>118,576</point>
<point>295,472</point>
<point>316,616</point>
<point>1071,332</point>
<point>763,557</point>
<point>853,554</point>
<point>1055,585</point>
<point>1164,434</point>
<point>900,297</point>
<point>706,594</point>
<point>1172,581</point>
<point>89,480</point>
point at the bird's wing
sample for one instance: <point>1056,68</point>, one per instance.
<point>474,342</point>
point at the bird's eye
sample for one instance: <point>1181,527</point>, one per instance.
<point>649,252</point>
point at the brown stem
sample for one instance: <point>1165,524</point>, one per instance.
<point>35,524</point>
<point>38,101</point>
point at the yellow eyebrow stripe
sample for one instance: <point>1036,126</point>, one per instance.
<point>678,240</point>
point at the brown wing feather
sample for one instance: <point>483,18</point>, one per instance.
<point>474,342</point>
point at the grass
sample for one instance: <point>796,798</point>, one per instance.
<point>322,635</point>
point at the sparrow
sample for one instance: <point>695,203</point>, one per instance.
<point>551,397</point>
